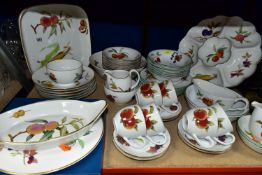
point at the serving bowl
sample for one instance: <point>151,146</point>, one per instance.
<point>48,124</point>
<point>225,50</point>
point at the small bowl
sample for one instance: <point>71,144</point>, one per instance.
<point>119,97</point>
<point>97,63</point>
<point>121,53</point>
<point>64,71</point>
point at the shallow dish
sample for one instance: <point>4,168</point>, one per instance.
<point>48,124</point>
<point>54,31</point>
<point>50,160</point>
<point>225,50</point>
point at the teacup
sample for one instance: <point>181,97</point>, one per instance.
<point>201,124</point>
<point>129,123</point>
<point>119,97</point>
<point>65,71</point>
<point>149,93</point>
<point>168,92</point>
<point>211,94</point>
<point>154,124</point>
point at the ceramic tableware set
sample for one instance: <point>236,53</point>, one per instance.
<point>207,129</point>
<point>140,133</point>
<point>122,58</point>
<point>249,128</point>
<point>163,95</point>
<point>59,65</point>
<point>203,94</point>
<point>119,86</point>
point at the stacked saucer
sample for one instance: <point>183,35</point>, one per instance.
<point>121,58</point>
<point>168,64</point>
<point>48,88</point>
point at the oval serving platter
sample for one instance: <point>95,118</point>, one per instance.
<point>47,124</point>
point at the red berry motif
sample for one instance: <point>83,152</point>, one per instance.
<point>163,89</point>
<point>217,55</point>
<point>157,60</point>
<point>200,114</point>
<point>149,123</point>
<point>127,114</point>
<point>130,123</point>
<point>239,37</point>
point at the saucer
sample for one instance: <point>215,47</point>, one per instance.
<point>246,135</point>
<point>194,102</point>
<point>217,149</point>
<point>148,152</point>
<point>50,160</point>
<point>42,79</point>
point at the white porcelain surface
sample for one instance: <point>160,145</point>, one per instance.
<point>61,32</point>
<point>119,97</point>
<point>245,134</point>
<point>64,71</point>
<point>210,94</point>
<point>41,78</point>
<point>97,63</point>
<point>255,124</point>
<point>244,53</point>
<point>216,149</point>
<point>171,112</point>
<point>47,124</point>
<point>148,152</point>
<point>51,160</point>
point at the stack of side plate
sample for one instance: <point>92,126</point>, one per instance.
<point>47,88</point>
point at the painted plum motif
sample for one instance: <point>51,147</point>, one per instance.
<point>245,64</point>
<point>48,128</point>
<point>128,118</point>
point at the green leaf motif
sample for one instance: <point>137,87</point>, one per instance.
<point>63,131</point>
<point>221,120</point>
<point>220,102</point>
<point>136,109</point>
<point>151,110</point>
<point>210,112</point>
<point>74,125</point>
<point>88,132</point>
<point>139,139</point>
<point>64,119</point>
<point>259,121</point>
<point>153,122</point>
<point>138,120</point>
<point>199,93</point>
<point>214,109</point>
<point>29,137</point>
<point>81,143</point>
<point>53,31</point>
<point>47,135</point>
<point>210,123</point>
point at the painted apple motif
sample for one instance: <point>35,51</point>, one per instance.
<point>202,124</point>
<point>146,90</point>
<point>127,114</point>
<point>207,101</point>
<point>130,123</point>
<point>200,114</point>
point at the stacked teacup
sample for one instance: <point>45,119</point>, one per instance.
<point>119,85</point>
<point>140,132</point>
<point>208,127</point>
<point>122,58</point>
<point>163,94</point>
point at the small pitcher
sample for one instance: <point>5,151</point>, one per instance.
<point>255,123</point>
<point>121,80</point>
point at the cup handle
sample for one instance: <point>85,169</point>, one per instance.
<point>233,138</point>
<point>138,77</point>
<point>242,108</point>
<point>208,143</point>
<point>160,142</point>
<point>140,138</point>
